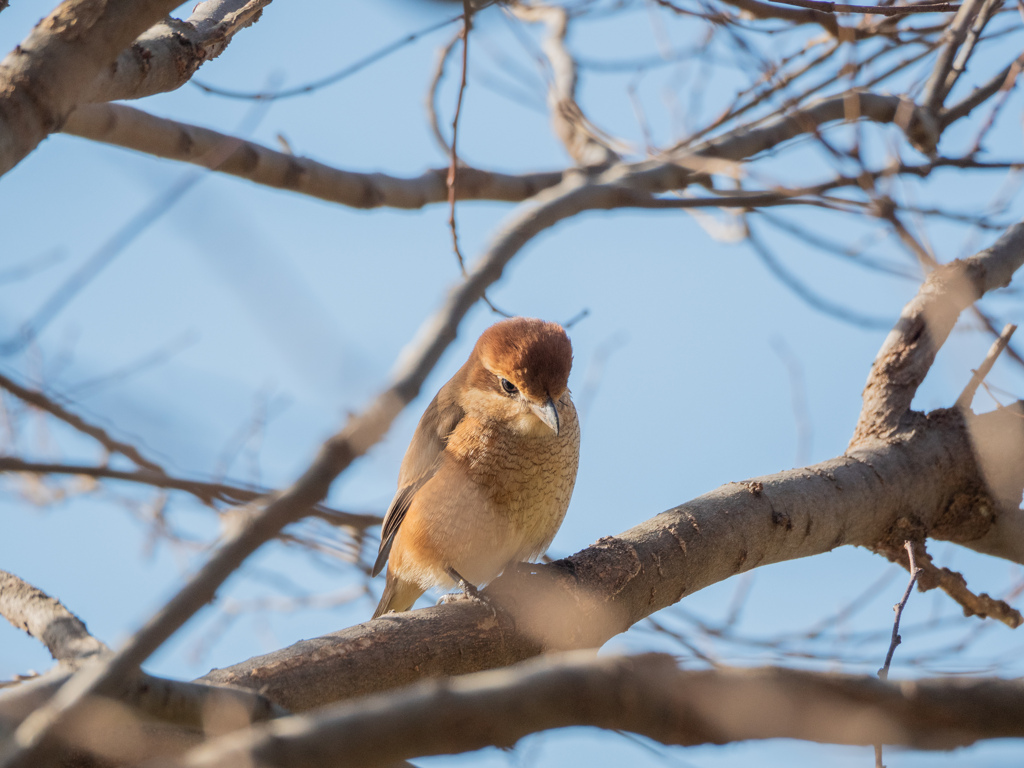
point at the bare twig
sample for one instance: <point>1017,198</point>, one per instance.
<point>967,396</point>
<point>453,166</point>
<point>48,621</point>
<point>323,82</point>
<point>435,87</point>
<point>1003,80</point>
<point>207,492</point>
<point>49,403</point>
<point>883,673</point>
<point>811,298</point>
<point>762,10</point>
<point>955,585</point>
<point>881,10</point>
<point>970,41</point>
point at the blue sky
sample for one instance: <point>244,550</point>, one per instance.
<point>683,364</point>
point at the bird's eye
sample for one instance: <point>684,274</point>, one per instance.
<point>509,387</point>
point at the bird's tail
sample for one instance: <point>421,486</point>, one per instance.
<point>398,595</point>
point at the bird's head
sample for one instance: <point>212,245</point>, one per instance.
<point>517,373</point>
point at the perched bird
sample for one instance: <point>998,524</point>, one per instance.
<point>489,472</point>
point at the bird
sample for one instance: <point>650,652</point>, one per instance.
<point>490,470</point>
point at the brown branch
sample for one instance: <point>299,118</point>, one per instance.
<point>895,640</point>
<point>824,6</point>
<point>134,129</point>
<point>647,695</point>
<point>453,166</point>
<point>48,403</point>
<point>748,141</point>
<point>755,9</point>
<point>48,621</point>
<point>955,585</point>
<point>967,396</point>
<point>124,126</point>
<point>206,492</point>
<point>924,324</point>
<point>434,88</point>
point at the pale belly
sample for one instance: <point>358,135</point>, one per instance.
<point>503,512</point>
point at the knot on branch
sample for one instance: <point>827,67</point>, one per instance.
<point>920,125</point>
<point>967,517</point>
<point>903,529</point>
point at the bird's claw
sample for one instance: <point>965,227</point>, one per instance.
<point>469,592</point>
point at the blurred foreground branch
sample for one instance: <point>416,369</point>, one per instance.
<point>647,695</point>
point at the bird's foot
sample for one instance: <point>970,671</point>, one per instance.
<point>469,592</point>
<point>468,589</point>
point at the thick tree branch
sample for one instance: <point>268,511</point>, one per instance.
<point>166,56</point>
<point>86,51</point>
<point>924,479</point>
<point>647,694</point>
<point>55,67</point>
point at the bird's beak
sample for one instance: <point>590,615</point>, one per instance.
<point>547,413</point>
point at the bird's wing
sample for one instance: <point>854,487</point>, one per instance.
<point>421,463</point>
